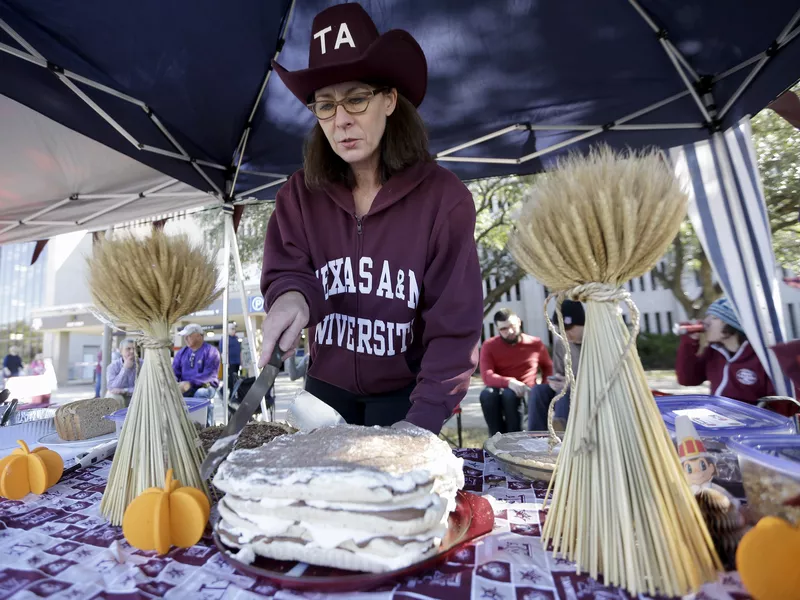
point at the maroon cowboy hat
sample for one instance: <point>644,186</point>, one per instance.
<point>346,46</point>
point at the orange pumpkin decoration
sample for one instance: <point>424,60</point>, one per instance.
<point>767,560</point>
<point>23,471</point>
<point>173,516</point>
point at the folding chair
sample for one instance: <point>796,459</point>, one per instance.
<point>457,414</point>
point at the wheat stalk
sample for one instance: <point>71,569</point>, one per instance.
<point>621,506</point>
<point>150,283</point>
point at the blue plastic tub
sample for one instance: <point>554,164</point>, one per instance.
<point>722,418</point>
<point>196,408</point>
<point>717,420</point>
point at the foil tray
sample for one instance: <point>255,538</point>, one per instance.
<point>28,426</point>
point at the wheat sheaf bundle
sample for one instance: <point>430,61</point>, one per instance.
<point>621,506</point>
<point>149,283</point>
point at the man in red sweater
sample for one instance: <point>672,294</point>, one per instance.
<point>509,365</point>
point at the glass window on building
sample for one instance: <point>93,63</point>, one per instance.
<point>21,291</point>
<point>646,323</point>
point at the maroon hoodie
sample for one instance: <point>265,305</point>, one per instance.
<point>739,376</point>
<point>395,296</point>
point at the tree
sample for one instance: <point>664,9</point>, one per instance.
<point>777,146</point>
<point>251,234</point>
<point>496,201</point>
<point>685,260</point>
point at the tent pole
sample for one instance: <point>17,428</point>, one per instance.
<point>227,215</point>
<point>248,323</point>
<point>105,359</point>
<point>261,187</point>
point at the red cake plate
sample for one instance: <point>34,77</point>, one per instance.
<point>472,519</point>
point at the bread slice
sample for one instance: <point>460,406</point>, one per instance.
<point>83,419</point>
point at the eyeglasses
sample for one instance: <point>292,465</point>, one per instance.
<point>354,104</point>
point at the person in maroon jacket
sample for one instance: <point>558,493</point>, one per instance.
<point>510,363</point>
<point>729,363</point>
<point>371,245</point>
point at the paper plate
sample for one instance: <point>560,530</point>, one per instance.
<point>472,519</point>
<point>53,439</point>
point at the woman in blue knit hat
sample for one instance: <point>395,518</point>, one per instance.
<point>729,362</point>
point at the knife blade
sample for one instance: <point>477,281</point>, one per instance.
<point>9,411</point>
<point>223,446</point>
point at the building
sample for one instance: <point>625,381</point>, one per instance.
<point>22,289</point>
<point>70,330</point>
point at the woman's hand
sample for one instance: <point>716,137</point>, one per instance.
<point>283,325</point>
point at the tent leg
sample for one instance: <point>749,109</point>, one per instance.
<point>226,274</point>
<point>105,359</point>
<point>248,323</point>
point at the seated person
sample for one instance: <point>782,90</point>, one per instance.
<point>729,362</point>
<point>540,397</point>
<point>509,365</point>
<point>121,374</point>
<point>196,365</point>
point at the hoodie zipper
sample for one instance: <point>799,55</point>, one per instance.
<point>359,250</point>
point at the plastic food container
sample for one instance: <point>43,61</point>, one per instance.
<point>770,467</point>
<point>29,426</point>
<point>717,420</point>
<point>196,407</point>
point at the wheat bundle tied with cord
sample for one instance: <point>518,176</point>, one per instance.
<point>621,506</point>
<point>150,284</point>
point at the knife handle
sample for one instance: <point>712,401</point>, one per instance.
<point>276,360</point>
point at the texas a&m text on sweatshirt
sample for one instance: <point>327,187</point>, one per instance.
<point>394,296</point>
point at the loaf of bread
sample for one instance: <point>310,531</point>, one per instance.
<point>83,419</point>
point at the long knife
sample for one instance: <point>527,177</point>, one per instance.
<point>223,446</point>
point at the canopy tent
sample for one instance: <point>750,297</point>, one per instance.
<point>55,180</point>
<point>511,83</point>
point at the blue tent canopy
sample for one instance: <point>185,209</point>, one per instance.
<point>183,79</point>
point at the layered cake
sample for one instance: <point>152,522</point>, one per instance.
<point>348,497</point>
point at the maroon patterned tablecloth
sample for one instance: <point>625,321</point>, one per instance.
<point>58,546</point>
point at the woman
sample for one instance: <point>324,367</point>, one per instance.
<point>371,244</point>
<point>38,367</point>
<point>729,362</point>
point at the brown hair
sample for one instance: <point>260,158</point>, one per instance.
<point>733,332</point>
<point>404,143</point>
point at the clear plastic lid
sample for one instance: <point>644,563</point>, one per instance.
<point>780,452</point>
<point>719,417</point>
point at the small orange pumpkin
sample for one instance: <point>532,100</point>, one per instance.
<point>23,471</point>
<point>767,560</point>
<point>173,516</point>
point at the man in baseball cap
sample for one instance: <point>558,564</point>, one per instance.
<point>196,365</point>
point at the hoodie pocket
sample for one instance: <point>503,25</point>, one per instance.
<point>381,374</point>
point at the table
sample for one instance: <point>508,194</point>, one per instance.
<point>58,546</point>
